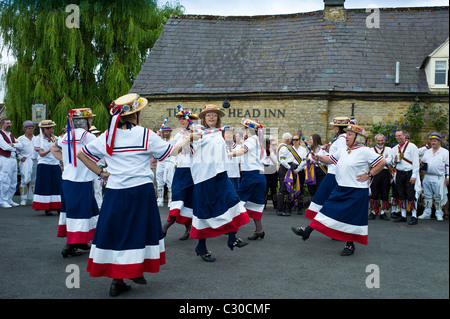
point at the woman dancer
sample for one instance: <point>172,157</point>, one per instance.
<point>217,208</point>
<point>79,209</point>
<point>252,189</point>
<point>182,184</point>
<point>344,215</point>
<point>128,240</point>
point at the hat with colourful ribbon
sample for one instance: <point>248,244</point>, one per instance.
<point>435,136</point>
<point>124,105</point>
<point>80,113</point>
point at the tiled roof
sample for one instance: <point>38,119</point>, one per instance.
<point>293,53</point>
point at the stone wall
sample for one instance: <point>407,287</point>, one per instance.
<point>286,115</point>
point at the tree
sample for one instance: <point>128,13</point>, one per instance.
<point>68,64</point>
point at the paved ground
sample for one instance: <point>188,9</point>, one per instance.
<point>412,262</point>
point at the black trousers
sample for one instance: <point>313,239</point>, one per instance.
<point>404,187</point>
<point>380,185</point>
<point>282,202</point>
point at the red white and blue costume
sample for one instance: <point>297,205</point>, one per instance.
<point>329,181</point>
<point>217,209</point>
<point>181,206</point>
<point>344,214</point>
<point>79,209</point>
<point>47,191</point>
<point>129,239</point>
<point>252,188</point>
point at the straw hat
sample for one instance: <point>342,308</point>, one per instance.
<point>211,108</point>
<point>130,103</point>
<point>340,121</point>
<point>356,129</point>
<point>81,113</point>
<point>191,115</point>
<point>94,130</point>
<point>47,123</point>
<point>251,124</point>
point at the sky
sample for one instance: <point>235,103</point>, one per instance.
<point>265,7</point>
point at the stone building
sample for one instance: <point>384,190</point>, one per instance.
<point>299,71</point>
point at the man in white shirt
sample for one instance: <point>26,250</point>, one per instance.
<point>406,161</point>
<point>379,199</point>
<point>27,163</point>
<point>165,171</point>
<point>8,164</point>
<point>435,163</point>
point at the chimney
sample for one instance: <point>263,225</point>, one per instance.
<point>334,10</point>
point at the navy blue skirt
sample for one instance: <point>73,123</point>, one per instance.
<point>344,216</point>
<point>79,212</point>
<point>47,190</point>
<point>320,197</point>
<point>128,240</point>
<point>181,206</point>
<point>217,208</point>
<point>252,191</point>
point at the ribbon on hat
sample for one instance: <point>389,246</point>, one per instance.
<point>112,127</point>
<point>71,138</point>
<point>186,116</point>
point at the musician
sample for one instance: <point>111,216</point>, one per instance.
<point>47,192</point>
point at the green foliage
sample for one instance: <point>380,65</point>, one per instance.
<point>66,67</point>
<point>415,120</point>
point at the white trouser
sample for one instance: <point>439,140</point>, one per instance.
<point>434,189</point>
<point>8,178</point>
<point>27,178</point>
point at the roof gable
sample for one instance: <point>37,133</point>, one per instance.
<point>293,53</point>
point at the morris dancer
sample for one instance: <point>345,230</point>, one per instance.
<point>344,214</point>
<point>182,184</point>
<point>217,207</point>
<point>128,240</point>
<point>233,164</point>
<point>436,177</point>
<point>79,209</point>
<point>252,188</point>
<point>329,182</point>
<point>165,171</point>
<point>47,193</point>
<point>405,157</point>
<point>379,198</point>
<point>8,164</point>
<point>27,163</point>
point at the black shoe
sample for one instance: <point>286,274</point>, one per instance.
<point>348,250</point>
<point>206,257</point>
<point>237,243</point>
<point>400,220</point>
<point>413,221</point>
<point>256,236</point>
<point>185,236</point>
<point>371,216</point>
<point>117,289</point>
<point>139,280</point>
<point>396,215</point>
<point>383,217</point>
<point>70,251</point>
<point>300,231</point>
<point>82,246</point>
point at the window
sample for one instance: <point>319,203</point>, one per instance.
<point>440,72</point>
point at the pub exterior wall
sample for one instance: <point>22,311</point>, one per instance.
<point>287,115</point>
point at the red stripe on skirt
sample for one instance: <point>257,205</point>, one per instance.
<point>232,226</point>
<point>336,234</point>
<point>125,271</point>
<point>180,219</point>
